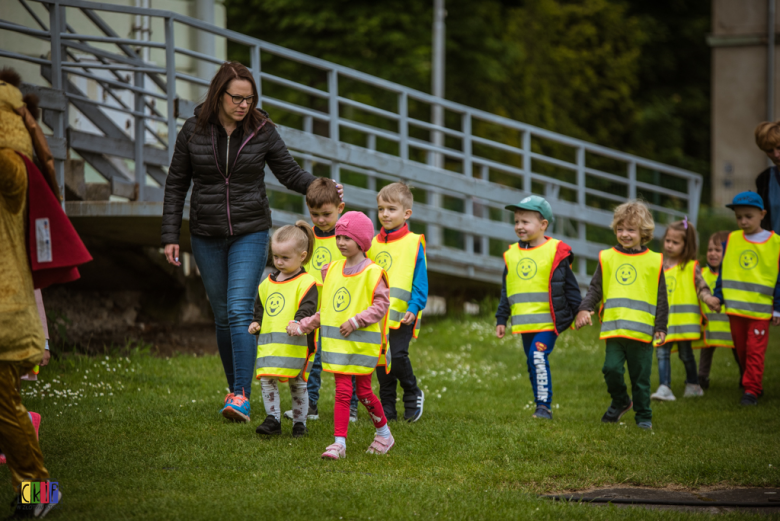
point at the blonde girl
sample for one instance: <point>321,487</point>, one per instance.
<point>685,286</point>
<point>289,294</point>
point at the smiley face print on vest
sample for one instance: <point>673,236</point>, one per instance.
<point>385,260</point>
<point>626,275</point>
<point>748,259</point>
<point>321,258</point>
<point>274,304</point>
<point>341,299</point>
<point>526,268</point>
<point>671,284</point>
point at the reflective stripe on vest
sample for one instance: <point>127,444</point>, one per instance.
<point>749,275</point>
<point>343,297</point>
<point>630,293</point>
<point>684,312</point>
<point>528,286</point>
<point>279,354</point>
<point>717,330</point>
<point>399,258</point>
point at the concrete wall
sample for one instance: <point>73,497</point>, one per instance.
<point>739,92</point>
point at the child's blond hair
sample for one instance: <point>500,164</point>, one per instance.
<point>301,233</point>
<point>397,193</point>
<point>636,213</point>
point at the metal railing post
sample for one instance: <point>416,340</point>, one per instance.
<point>582,262</point>
<point>694,196</point>
<point>170,73</point>
<point>403,125</point>
<point>484,247</point>
<point>254,56</point>
<point>371,145</point>
<point>140,134</point>
<point>333,111</point>
<point>632,180</point>
<point>527,161</point>
<point>56,25</point>
<point>469,172</point>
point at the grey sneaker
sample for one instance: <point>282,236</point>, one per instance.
<point>664,394</point>
<point>648,426</point>
<point>693,390</point>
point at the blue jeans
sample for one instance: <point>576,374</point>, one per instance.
<point>315,380</point>
<point>538,347</point>
<point>231,268</point>
<point>665,368</point>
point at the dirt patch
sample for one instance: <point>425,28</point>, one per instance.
<point>713,500</point>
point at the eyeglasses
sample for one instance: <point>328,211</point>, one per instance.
<point>237,100</point>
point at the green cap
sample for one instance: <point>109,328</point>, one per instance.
<point>534,203</point>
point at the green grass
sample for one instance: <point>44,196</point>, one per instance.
<point>153,446</point>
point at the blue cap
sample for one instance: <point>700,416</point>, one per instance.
<point>747,199</point>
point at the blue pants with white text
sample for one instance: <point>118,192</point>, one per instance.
<point>538,347</point>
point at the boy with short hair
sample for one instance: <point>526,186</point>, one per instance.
<point>539,292</point>
<point>749,286</point>
<point>401,254</point>
<point>325,207</point>
<point>629,288</point>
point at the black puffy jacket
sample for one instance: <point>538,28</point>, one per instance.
<point>227,199</point>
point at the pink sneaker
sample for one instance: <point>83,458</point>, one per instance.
<point>35,418</point>
<point>381,445</point>
<point>335,451</point>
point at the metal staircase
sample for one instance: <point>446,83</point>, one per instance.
<point>464,172</point>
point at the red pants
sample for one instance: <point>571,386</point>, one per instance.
<point>751,337</point>
<point>366,397</point>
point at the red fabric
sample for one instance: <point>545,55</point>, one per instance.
<point>365,395</point>
<point>562,252</point>
<point>751,337</point>
<point>68,251</point>
<point>383,236</point>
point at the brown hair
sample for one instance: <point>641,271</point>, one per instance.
<point>301,233</point>
<point>322,191</point>
<point>719,237</point>
<point>768,135</point>
<point>397,193</point>
<point>689,236</point>
<point>228,72</point>
<point>635,212</point>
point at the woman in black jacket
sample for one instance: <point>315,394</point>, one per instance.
<point>768,181</point>
<point>222,152</point>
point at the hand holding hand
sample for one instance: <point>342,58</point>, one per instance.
<point>713,303</point>
<point>583,319</point>
<point>294,328</point>
<point>500,331</point>
<point>408,318</point>
<point>660,336</point>
<point>172,254</point>
<point>254,328</point>
<point>346,328</point>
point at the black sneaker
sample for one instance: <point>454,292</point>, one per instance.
<point>748,399</point>
<point>614,414</point>
<point>704,383</point>
<point>299,430</point>
<point>269,427</point>
<point>412,415</point>
<point>543,412</point>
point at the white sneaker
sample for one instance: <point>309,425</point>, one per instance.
<point>693,390</point>
<point>664,394</point>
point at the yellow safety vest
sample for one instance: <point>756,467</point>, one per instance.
<point>343,297</point>
<point>630,294</point>
<point>528,286</point>
<point>684,311</point>
<point>717,331</point>
<point>279,354</point>
<point>398,258</point>
<point>749,275</point>
<point>325,252</point>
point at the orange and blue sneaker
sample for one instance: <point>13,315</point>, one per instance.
<point>236,407</point>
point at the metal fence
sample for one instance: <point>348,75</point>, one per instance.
<point>360,129</point>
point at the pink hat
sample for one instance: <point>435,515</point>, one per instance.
<point>358,227</point>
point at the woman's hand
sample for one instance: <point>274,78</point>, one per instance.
<point>583,319</point>
<point>660,337</point>
<point>340,188</point>
<point>172,254</point>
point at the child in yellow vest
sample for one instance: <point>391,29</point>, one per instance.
<point>685,286</point>
<point>401,254</point>
<point>290,294</point>
<point>353,326</point>
<point>749,286</point>
<point>539,293</point>
<point>629,283</point>
<point>325,207</point>
<point>716,331</point>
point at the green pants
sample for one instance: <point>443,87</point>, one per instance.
<point>639,358</point>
